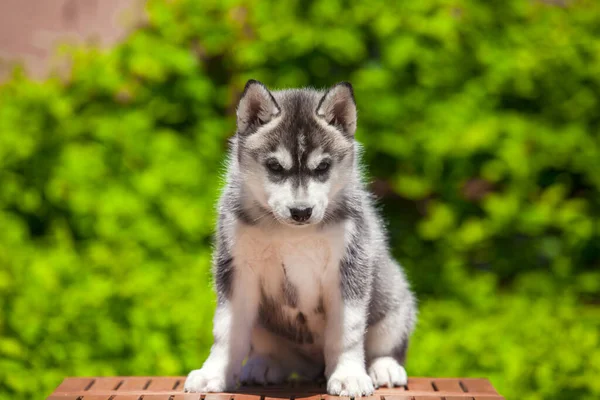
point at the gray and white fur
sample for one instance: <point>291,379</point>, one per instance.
<point>304,278</point>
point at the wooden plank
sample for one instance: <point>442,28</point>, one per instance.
<point>305,396</point>
<point>163,388</point>
<point>187,396</point>
<point>297,395</point>
<point>104,384</point>
<point>392,390</point>
<point>387,394</point>
<point>287,395</point>
<point>247,396</point>
<point>135,383</point>
<point>178,385</point>
<point>447,385</point>
<point>60,397</point>
<point>480,385</point>
<point>432,397</point>
<point>277,395</point>
<point>278,389</point>
<point>163,384</point>
<point>73,385</point>
<point>420,384</point>
<point>488,398</point>
<point>216,396</point>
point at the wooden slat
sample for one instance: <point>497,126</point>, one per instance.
<point>287,395</point>
<point>156,396</point>
<point>163,384</point>
<point>421,384</point>
<point>187,396</point>
<point>104,384</point>
<point>488,398</point>
<point>279,395</point>
<point>305,396</point>
<point>246,397</point>
<point>214,396</point>
<point>397,397</point>
<point>96,397</point>
<point>432,397</point>
<point>478,385</point>
<point>60,397</point>
<point>461,397</point>
<point>395,389</point>
<point>277,389</point>
<point>441,394</point>
<point>134,383</point>
<point>127,397</point>
<point>301,396</point>
<point>73,385</point>
<point>448,385</point>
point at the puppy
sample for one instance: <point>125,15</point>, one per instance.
<point>304,278</point>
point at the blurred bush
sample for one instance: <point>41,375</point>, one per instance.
<point>482,134</point>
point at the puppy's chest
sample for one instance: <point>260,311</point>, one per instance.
<point>294,273</point>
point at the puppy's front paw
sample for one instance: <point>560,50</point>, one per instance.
<point>262,370</point>
<point>204,381</point>
<point>386,371</point>
<point>353,384</point>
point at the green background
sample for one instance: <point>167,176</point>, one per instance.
<point>481,127</point>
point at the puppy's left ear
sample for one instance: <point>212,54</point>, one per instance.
<point>338,108</point>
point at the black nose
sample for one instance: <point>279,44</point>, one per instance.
<point>300,214</point>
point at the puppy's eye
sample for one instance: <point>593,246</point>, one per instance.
<point>323,166</point>
<point>274,166</point>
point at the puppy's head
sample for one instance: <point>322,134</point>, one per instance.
<point>296,149</point>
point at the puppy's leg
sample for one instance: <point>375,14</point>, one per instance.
<point>386,344</point>
<point>266,361</point>
<point>344,350</point>
<point>273,360</point>
<point>346,304</point>
<point>386,369</point>
<point>234,319</point>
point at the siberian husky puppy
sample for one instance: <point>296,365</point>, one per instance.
<point>304,278</point>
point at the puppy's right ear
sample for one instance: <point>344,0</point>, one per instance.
<point>257,107</point>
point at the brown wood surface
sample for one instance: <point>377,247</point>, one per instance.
<point>478,385</point>
<point>445,385</point>
<point>171,388</point>
<point>420,384</point>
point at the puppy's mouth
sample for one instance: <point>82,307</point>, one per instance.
<point>298,224</point>
<point>287,221</point>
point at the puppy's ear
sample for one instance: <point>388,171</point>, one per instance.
<point>256,107</point>
<point>338,108</point>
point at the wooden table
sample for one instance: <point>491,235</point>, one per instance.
<point>171,388</point>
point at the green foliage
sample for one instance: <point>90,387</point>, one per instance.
<point>481,131</point>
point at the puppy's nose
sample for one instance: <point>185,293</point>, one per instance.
<point>301,214</point>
